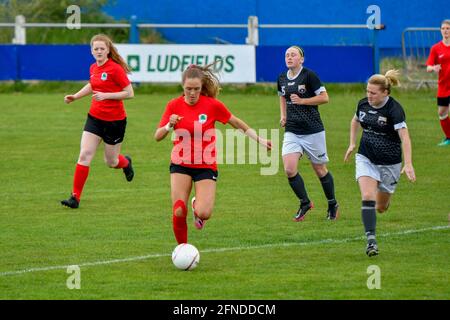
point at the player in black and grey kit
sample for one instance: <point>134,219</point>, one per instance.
<point>379,157</point>
<point>301,91</point>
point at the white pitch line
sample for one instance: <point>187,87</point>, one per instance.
<point>270,245</point>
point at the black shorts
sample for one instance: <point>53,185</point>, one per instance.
<point>112,132</point>
<point>443,101</point>
<point>196,174</point>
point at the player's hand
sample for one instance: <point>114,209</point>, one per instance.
<point>99,96</point>
<point>409,171</point>
<point>266,143</point>
<point>349,152</point>
<point>437,68</point>
<point>283,122</point>
<point>174,119</point>
<point>296,99</point>
<point>69,98</point>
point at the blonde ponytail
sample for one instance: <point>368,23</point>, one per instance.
<point>387,81</point>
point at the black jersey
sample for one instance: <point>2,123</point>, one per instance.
<point>301,119</point>
<point>380,142</point>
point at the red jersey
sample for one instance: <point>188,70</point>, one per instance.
<point>110,77</point>
<point>440,54</point>
<point>195,140</point>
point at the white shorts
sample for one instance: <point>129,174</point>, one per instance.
<point>386,175</point>
<point>313,145</point>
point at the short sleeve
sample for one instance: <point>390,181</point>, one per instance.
<point>280,91</point>
<point>166,115</point>
<point>432,58</point>
<point>314,82</point>
<point>398,117</point>
<point>120,77</point>
<point>222,113</point>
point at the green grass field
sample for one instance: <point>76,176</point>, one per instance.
<point>121,235</point>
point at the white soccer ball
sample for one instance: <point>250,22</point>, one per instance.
<point>185,256</point>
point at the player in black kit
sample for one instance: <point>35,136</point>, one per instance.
<point>379,157</point>
<point>301,91</point>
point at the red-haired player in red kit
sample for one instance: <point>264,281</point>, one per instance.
<point>193,157</point>
<point>439,62</point>
<point>106,121</point>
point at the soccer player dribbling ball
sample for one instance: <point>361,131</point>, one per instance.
<point>439,62</point>
<point>379,157</point>
<point>193,157</point>
<point>106,120</point>
<point>301,92</point>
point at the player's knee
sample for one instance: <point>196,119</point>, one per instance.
<point>85,157</point>
<point>443,114</point>
<point>290,172</point>
<point>179,208</point>
<point>381,209</point>
<point>367,196</point>
<point>112,163</point>
<point>203,212</point>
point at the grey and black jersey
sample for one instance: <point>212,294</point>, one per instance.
<point>301,119</point>
<point>380,142</point>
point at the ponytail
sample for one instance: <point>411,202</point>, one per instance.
<point>386,81</point>
<point>210,82</point>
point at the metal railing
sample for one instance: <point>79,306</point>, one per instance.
<point>252,27</point>
<point>416,43</point>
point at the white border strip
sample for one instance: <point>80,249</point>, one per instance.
<point>270,245</point>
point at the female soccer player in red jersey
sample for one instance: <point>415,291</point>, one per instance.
<point>193,157</point>
<point>106,120</point>
<point>439,62</point>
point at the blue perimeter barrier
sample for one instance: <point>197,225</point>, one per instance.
<point>71,62</point>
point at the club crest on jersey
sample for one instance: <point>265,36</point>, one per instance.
<point>104,76</point>
<point>202,118</point>
<point>301,88</point>
<point>382,121</point>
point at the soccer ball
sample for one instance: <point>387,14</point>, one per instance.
<point>185,256</point>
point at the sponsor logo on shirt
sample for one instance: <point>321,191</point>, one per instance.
<point>104,76</point>
<point>202,118</point>
<point>301,88</point>
<point>382,121</point>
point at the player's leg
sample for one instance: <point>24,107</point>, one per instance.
<point>181,186</point>
<point>113,137</point>
<point>88,147</point>
<point>383,201</point>
<point>368,176</point>
<point>290,163</point>
<point>443,112</point>
<point>390,175</point>
<point>327,182</point>
<point>316,149</point>
<point>369,187</point>
<point>203,203</point>
<point>114,159</point>
<point>291,153</point>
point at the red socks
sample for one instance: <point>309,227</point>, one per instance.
<point>445,124</point>
<point>79,178</point>
<point>123,162</point>
<point>179,223</point>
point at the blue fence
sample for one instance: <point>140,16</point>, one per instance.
<point>71,62</point>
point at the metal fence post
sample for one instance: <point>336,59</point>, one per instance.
<point>134,30</point>
<point>20,35</point>
<point>376,48</point>
<point>253,34</point>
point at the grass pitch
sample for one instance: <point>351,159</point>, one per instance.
<point>121,236</point>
